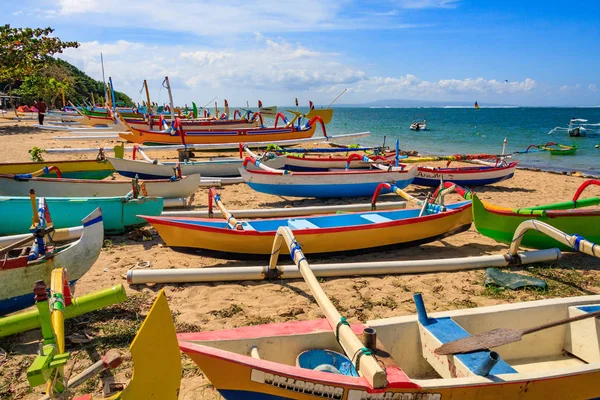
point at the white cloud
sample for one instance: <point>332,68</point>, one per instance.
<point>275,70</point>
<point>428,3</point>
<point>17,13</point>
<point>592,87</point>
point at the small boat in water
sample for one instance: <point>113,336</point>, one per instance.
<point>419,123</point>
<point>554,148</point>
<point>557,149</point>
<point>21,267</point>
<point>572,217</point>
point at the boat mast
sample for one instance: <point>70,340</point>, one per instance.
<point>104,80</point>
<point>170,100</point>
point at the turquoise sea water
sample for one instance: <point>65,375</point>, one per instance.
<point>466,130</point>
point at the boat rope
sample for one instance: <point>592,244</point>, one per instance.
<point>363,351</point>
<point>343,321</point>
<point>577,241</point>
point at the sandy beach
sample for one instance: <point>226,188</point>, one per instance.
<point>214,306</point>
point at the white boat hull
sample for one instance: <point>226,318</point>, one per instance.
<point>225,167</point>
<point>54,187</point>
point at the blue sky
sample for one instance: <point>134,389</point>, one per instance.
<point>276,50</point>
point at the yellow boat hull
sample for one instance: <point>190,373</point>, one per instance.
<point>322,240</point>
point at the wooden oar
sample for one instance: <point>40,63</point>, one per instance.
<point>501,336</point>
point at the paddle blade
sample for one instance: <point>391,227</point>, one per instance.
<point>482,341</point>
<point>156,357</point>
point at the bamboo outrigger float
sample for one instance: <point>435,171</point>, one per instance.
<point>302,360</point>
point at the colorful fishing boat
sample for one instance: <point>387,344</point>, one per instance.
<point>75,169</point>
<point>119,213</point>
<point>147,168</point>
<point>21,184</point>
<point>558,363</point>
<point>465,176</point>
<point>320,233</point>
<point>426,176</point>
<point>331,358</point>
<point>20,267</point>
<point>554,148</point>
<point>557,149</point>
<point>180,135</point>
<point>322,184</point>
<point>571,216</point>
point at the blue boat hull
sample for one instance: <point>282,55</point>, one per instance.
<point>322,191</point>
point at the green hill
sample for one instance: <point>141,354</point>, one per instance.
<point>57,75</point>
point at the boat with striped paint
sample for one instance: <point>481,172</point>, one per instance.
<point>17,273</point>
<point>21,184</point>
<point>331,358</point>
<point>317,233</point>
<point>273,361</point>
<point>576,216</point>
<point>426,176</point>
<point>76,169</point>
<point>181,135</point>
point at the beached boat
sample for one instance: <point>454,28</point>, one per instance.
<point>181,135</point>
<point>20,184</point>
<point>330,183</point>
<point>147,168</point>
<point>75,169</point>
<point>214,167</point>
<point>18,272</point>
<point>571,216</point>
<point>318,234</point>
<point>559,363</point>
<point>351,183</point>
<point>119,213</point>
<point>395,358</point>
<point>426,176</point>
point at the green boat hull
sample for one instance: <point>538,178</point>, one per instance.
<point>500,223</point>
<point>72,169</point>
<point>118,213</point>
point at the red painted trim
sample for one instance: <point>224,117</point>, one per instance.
<point>396,378</point>
<point>167,221</point>
<point>454,170</point>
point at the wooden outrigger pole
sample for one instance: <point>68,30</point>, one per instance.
<point>362,358</point>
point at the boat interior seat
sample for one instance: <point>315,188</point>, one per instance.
<point>582,338</point>
<point>439,331</point>
<point>301,224</point>
<point>375,218</point>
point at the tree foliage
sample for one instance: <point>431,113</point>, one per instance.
<point>27,66</point>
<point>24,50</point>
